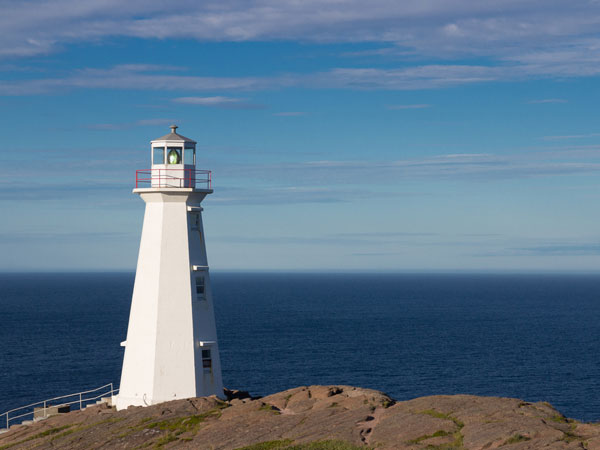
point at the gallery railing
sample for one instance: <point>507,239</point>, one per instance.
<point>179,178</point>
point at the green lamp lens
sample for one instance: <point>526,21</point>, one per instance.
<point>173,157</point>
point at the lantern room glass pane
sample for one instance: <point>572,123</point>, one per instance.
<point>158,155</point>
<point>174,155</point>
<point>188,156</point>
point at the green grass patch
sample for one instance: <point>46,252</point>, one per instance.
<point>327,445</point>
<point>166,439</point>
<point>559,418</point>
<point>318,445</point>
<point>441,415</point>
<point>174,427</point>
<point>268,408</point>
<point>456,444</point>
<point>59,432</point>
<point>569,436</point>
<point>438,433</point>
<point>46,433</point>
<point>517,438</point>
<point>180,425</point>
<point>269,445</point>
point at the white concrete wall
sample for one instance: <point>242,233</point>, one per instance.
<point>163,355</point>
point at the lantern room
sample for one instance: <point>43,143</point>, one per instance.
<point>173,160</point>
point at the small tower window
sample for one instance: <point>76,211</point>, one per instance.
<point>158,155</point>
<point>188,155</point>
<point>195,222</point>
<point>200,288</point>
<point>173,155</point>
<point>206,361</point>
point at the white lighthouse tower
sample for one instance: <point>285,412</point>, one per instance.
<point>171,351</point>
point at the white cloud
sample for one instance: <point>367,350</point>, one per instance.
<point>548,100</point>
<point>128,125</point>
<point>528,31</point>
<point>219,102</point>
<point>130,76</point>
<point>465,167</point>
<point>417,106</point>
<point>290,114</point>
<point>207,101</point>
<point>142,77</point>
<point>571,136</point>
<point>519,40</point>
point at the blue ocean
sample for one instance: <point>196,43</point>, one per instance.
<point>535,337</point>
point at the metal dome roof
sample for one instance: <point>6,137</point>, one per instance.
<point>173,136</point>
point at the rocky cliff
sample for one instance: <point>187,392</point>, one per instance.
<point>315,417</point>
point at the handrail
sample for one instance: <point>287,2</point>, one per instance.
<point>81,400</point>
<point>61,396</point>
<point>173,177</point>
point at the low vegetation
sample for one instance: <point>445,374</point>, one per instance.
<point>517,438</point>
<point>288,444</point>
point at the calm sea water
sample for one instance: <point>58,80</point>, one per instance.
<point>535,337</point>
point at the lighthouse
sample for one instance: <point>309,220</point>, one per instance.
<point>171,350</point>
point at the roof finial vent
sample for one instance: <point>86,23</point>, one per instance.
<point>174,128</point>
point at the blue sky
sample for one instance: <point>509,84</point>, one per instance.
<point>416,135</point>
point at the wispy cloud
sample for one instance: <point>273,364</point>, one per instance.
<point>417,106</point>
<point>545,249</point>
<point>144,77</point>
<point>290,114</point>
<point>286,194</point>
<point>130,76</point>
<point>207,101</point>
<point>520,41</point>
<point>548,100</point>
<point>438,27</point>
<point>387,234</point>
<point>129,125</point>
<point>464,167</point>
<point>219,102</point>
<point>66,237</point>
<point>561,250</point>
<point>157,78</point>
<point>570,136</point>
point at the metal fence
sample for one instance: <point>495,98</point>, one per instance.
<point>179,178</point>
<point>41,410</point>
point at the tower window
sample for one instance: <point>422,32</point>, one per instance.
<point>206,361</point>
<point>188,156</point>
<point>200,288</point>
<point>195,222</point>
<point>158,155</point>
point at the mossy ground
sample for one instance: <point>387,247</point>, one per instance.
<point>287,444</point>
<point>457,443</point>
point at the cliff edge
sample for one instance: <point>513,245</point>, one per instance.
<point>314,417</point>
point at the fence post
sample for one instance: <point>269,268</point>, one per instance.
<point>45,409</point>
<point>80,404</point>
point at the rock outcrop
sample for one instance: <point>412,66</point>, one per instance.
<point>314,417</point>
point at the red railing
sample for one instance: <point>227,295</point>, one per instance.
<point>161,178</point>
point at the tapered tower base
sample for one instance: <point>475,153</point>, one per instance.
<point>171,351</point>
